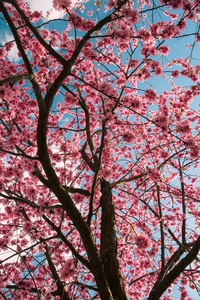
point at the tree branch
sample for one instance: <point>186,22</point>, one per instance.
<point>159,289</point>
<point>36,33</point>
<point>34,82</point>
<point>161,232</point>
<point>16,78</point>
<point>69,245</point>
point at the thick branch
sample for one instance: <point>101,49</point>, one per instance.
<point>157,292</point>
<point>60,287</point>
<point>87,159</point>
<point>122,181</point>
<point>16,37</point>
<point>77,190</point>
<point>67,188</point>
<point>69,245</point>
<point>88,130</point>
<point>17,78</point>
<point>183,204</point>
<point>34,82</point>
<point>161,231</point>
<point>96,175</point>
<point>68,64</point>
<point>37,35</point>
<point>15,287</point>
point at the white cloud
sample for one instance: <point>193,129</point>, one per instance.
<point>48,12</point>
<point>45,6</point>
<point>63,121</point>
<point>13,54</point>
<point>6,37</point>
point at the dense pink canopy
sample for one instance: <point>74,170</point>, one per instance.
<point>99,151</point>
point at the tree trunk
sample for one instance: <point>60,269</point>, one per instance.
<point>108,248</point>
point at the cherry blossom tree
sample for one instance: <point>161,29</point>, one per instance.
<point>99,151</point>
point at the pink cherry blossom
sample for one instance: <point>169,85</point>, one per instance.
<point>175,74</point>
<point>60,4</point>
<point>27,227</point>
<point>197,38</point>
<point>154,175</point>
<point>144,35</point>
<point>128,137</point>
<point>164,50</point>
<point>68,270</point>
<point>99,150</point>
<point>142,241</point>
<point>150,95</point>
<point>106,173</point>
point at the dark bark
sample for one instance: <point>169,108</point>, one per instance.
<point>84,231</point>
<point>108,249</point>
<point>60,287</point>
<point>168,279</point>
